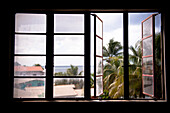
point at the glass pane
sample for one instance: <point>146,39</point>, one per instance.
<point>147,46</point>
<point>30,44</point>
<point>135,51</point>
<point>29,66</point>
<point>148,84</point>
<point>68,88</point>
<point>29,88</point>
<point>147,66</point>
<point>30,23</point>
<point>69,23</point>
<point>99,85</point>
<point>68,66</point>
<point>99,29</point>
<point>112,70</point>
<point>158,53</point>
<point>68,44</point>
<point>99,46</point>
<point>147,27</point>
<point>99,63</point>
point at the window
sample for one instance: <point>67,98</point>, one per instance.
<point>29,56</point>
<point>145,55</point>
<point>68,56</point>
<point>53,58</point>
<point>97,54</point>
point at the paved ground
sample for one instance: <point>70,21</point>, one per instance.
<point>29,92</point>
<point>60,91</point>
<point>66,91</point>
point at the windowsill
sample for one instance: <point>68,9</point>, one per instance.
<point>94,101</point>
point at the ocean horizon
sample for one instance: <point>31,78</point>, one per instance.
<point>64,68</point>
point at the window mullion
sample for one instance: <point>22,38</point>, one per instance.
<point>49,56</point>
<point>126,55</point>
<point>87,55</point>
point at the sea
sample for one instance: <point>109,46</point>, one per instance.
<point>64,69</point>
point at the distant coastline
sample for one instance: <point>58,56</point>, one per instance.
<point>64,68</point>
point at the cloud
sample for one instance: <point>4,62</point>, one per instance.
<point>30,44</point>
<point>65,44</point>
<point>111,21</point>
<point>30,60</point>
<point>68,60</point>
<point>137,18</point>
<point>134,34</point>
<point>30,23</point>
<point>117,35</point>
<point>68,23</point>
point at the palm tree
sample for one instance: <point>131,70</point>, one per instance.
<point>113,49</point>
<point>114,74</point>
<point>158,65</point>
<point>135,70</point>
<point>113,71</point>
<point>113,77</point>
<point>73,71</point>
<point>136,58</point>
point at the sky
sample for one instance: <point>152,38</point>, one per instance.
<point>112,28</point>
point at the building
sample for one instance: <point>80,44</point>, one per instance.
<point>28,71</point>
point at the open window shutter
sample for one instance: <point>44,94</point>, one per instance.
<point>98,56</point>
<point>148,36</point>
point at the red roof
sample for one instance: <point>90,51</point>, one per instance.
<point>28,68</point>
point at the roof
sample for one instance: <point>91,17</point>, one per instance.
<point>28,68</point>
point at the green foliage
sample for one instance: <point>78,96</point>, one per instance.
<point>114,73</point>
<point>113,49</point>
<point>113,77</point>
<point>135,71</point>
<point>158,65</point>
<point>105,95</point>
<point>113,80</point>
<point>73,71</point>
<point>92,80</point>
<point>38,65</point>
<point>60,74</point>
<point>79,83</point>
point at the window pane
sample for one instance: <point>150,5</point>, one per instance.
<point>30,23</point>
<point>99,29</point>
<point>30,44</point>
<point>69,23</point>
<point>68,66</point>
<point>148,84</point>
<point>68,88</point>
<point>99,69</point>
<point>99,85</point>
<point>99,46</point>
<point>29,88</point>
<point>147,66</point>
<point>68,44</point>
<point>29,66</point>
<point>147,46</point>
<point>112,69</point>
<point>147,27</point>
<point>136,44</point>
